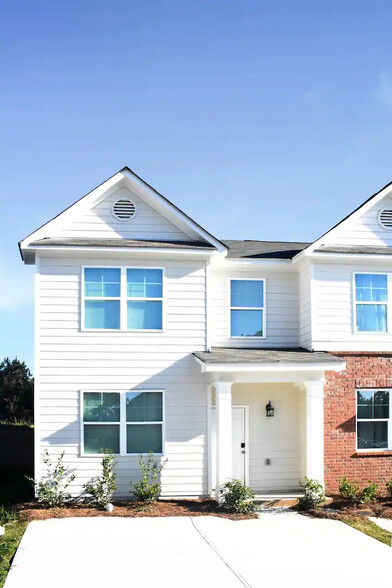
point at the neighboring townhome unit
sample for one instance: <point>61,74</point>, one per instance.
<point>261,361</point>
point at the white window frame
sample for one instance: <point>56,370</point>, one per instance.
<point>388,304</point>
<point>262,308</point>
<point>83,422</point>
<point>123,422</point>
<point>389,421</point>
<point>136,423</point>
<point>123,299</point>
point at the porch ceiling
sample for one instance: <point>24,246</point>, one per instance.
<point>224,358</point>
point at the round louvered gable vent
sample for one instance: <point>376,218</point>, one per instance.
<point>385,218</point>
<point>124,209</point>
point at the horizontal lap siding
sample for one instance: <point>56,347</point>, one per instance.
<point>100,222</point>
<point>365,230</point>
<point>333,309</point>
<point>70,360</point>
<point>305,329</point>
<point>282,308</point>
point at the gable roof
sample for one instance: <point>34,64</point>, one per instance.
<point>357,212</point>
<point>131,180</point>
<point>264,249</point>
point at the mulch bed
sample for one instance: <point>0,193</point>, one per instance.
<point>163,508</point>
<point>339,508</point>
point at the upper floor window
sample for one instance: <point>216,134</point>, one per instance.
<point>247,308</point>
<point>373,419</point>
<point>371,302</point>
<point>123,298</point>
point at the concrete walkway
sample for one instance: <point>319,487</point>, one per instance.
<point>276,550</point>
<point>383,523</point>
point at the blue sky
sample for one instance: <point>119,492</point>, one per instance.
<point>260,119</point>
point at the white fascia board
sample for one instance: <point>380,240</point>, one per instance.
<point>252,263</point>
<point>271,367</point>
<point>113,250</point>
<point>350,256</point>
<point>360,211</point>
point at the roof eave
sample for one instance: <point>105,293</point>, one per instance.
<point>334,366</point>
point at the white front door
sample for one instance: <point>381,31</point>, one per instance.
<point>239,449</point>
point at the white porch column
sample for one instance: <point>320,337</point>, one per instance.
<point>223,435</point>
<point>315,429</point>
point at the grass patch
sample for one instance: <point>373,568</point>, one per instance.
<point>369,528</point>
<point>8,545</point>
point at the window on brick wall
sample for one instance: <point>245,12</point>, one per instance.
<point>373,420</point>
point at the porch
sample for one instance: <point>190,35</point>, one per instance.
<point>271,454</point>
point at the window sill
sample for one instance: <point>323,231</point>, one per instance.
<point>382,453</point>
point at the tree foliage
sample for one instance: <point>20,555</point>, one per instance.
<point>16,391</point>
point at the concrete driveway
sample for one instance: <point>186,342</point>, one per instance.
<point>276,550</point>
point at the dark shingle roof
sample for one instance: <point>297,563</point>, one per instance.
<point>264,249</point>
<point>235,355</point>
<point>122,243</point>
<point>354,250</point>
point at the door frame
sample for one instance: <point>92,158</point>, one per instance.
<point>210,465</point>
<point>246,427</point>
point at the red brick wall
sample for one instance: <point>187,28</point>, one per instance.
<point>364,370</point>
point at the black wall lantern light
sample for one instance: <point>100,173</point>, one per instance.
<point>269,409</point>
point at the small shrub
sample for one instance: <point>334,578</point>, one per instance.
<point>7,515</point>
<point>351,492</point>
<point>313,494</point>
<point>149,488</point>
<point>51,489</point>
<point>369,493</point>
<point>237,497</point>
<point>101,488</point>
<point>389,487</point>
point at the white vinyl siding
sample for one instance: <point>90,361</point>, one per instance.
<point>281,307</point>
<point>69,361</point>
<point>305,306</point>
<point>333,311</point>
<point>99,222</point>
<point>365,230</point>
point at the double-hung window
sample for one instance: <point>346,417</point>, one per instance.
<point>144,299</point>
<point>144,414</point>
<point>122,299</point>
<point>247,308</point>
<point>102,295</point>
<point>373,419</point>
<point>126,423</point>
<point>101,422</point>
<point>371,303</point>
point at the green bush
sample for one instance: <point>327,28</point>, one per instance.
<point>7,515</point>
<point>51,489</point>
<point>100,489</point>
<point>149,488</point>
<point>389,487</point>
<point>351,492</point>
<point>313,494</point>
<point>237,497</point>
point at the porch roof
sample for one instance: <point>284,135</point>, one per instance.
<point>224,358</point>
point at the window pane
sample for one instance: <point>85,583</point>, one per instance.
<point>144,438</point>
<point>247,293</point>
<point>103,314</point>
<point>365,412</point>
<point>102,282</point>
<point>371,287</point>
<point>372,435</point>
<point>144,314</point>
<point>372,317</point>
<point>144,406</point>
<point>100,407</point>
<point>144,283</point>
<point>246,323</point>
<point>98,438</point>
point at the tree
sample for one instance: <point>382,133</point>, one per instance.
<point>16,391</point>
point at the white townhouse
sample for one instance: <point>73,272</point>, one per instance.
<point>262,361</point>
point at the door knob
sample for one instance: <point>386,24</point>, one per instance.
<point>242,445</point>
